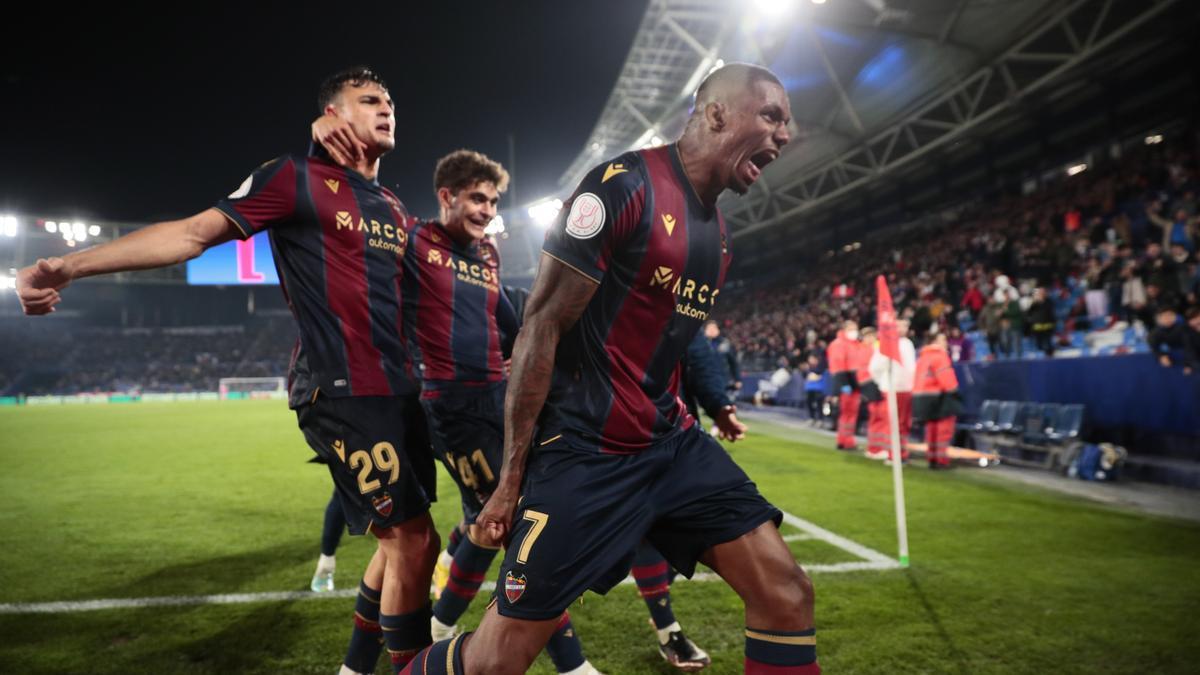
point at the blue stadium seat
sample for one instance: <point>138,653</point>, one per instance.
<point>1006,417</point>
<point>1026,412</point>
<point>988,411</point>
<point>1069,424</point>
<point>1047,418</point>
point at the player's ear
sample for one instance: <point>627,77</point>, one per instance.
<point>445,197</point>
<point>715,114</point>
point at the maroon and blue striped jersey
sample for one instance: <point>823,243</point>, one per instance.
<point>338,240</point>
<point>637,228</point>
<point>455,308</point>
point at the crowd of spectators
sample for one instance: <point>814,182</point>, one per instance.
<point>51,358</point>
<point>1110,248</point>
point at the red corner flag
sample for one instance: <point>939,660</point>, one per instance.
<point>889,340</point>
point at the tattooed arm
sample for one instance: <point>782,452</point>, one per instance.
<point>559,296</point>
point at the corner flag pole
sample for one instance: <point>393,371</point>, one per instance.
<point>897,477</point>
<point>889,346</point>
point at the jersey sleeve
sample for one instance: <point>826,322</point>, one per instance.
<point>267,197</point>
<point>602,214</point>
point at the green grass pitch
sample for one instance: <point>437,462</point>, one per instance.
<point>192,499</point>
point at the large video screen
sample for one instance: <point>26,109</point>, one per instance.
<point>235,262</point>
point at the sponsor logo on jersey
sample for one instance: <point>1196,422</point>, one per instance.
<point>380,235</point>
<point>686,292</point>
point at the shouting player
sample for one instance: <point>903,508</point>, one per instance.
<point>628,275</point>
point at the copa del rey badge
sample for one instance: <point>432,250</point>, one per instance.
<point>514,586</point>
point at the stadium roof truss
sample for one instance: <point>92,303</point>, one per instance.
<point>873,88</point>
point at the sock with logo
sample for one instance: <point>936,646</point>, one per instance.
<point>653,577</point>
<point>564,648</point>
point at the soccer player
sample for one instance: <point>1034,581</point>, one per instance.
<point>628,274</point>
<point>339,240</point>
<point>462,323</point>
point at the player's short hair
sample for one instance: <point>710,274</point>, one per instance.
<point>747,73</point>
<point>463,168</point>
<point>355,76</point>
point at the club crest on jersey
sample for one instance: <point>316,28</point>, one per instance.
<point>382,504</point>
<point>586,217</point>
<point>332,184</point>
<point>514,586</point>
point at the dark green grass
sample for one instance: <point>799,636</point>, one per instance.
<point>201,498</point>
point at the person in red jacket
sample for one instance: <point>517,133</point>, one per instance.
<point>935,400</point>
<point>843,365</point>
<point>871,395</point>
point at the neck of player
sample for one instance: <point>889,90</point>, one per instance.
<point>368,166</point>
<point>699,167</point>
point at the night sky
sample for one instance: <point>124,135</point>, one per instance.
<point>112,115</point>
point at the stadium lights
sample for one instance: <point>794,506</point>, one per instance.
<point>496,226</point>
<point>8,226</point>
<point>818,2</point>
<point>544,212</point>
<point>773,8</point>
<point>1076,169</point>
<point>7,282</point>
<point>51,227</point>
<point>80,231</point>
<point>93,230</point>
<point>1154,139</point>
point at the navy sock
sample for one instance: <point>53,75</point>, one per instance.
<point>773,652</point>
<point>456,537</point>
<point>653,577</point>
<point>335,524</point>
<point>564,648</point>
<point>405,635</point>
<point>367,639</point>
<point>439,658</point>
<point>470,565</point>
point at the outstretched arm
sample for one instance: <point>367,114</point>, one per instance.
<point>159,245</point>
<point>559,296</point>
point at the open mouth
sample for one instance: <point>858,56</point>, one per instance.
<point>752,168</point>
<point>385,128</point>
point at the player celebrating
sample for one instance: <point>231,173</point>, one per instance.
<point>628,274</point>
<point>339,240</point>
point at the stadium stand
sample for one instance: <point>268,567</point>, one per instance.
<point>1085,254</point>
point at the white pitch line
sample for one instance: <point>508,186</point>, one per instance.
<point>839,541</point>
<point>871,560</point>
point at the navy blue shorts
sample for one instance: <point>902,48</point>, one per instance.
<point>377,450</point>
<point>582,515</point>
<point>466,426</point>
